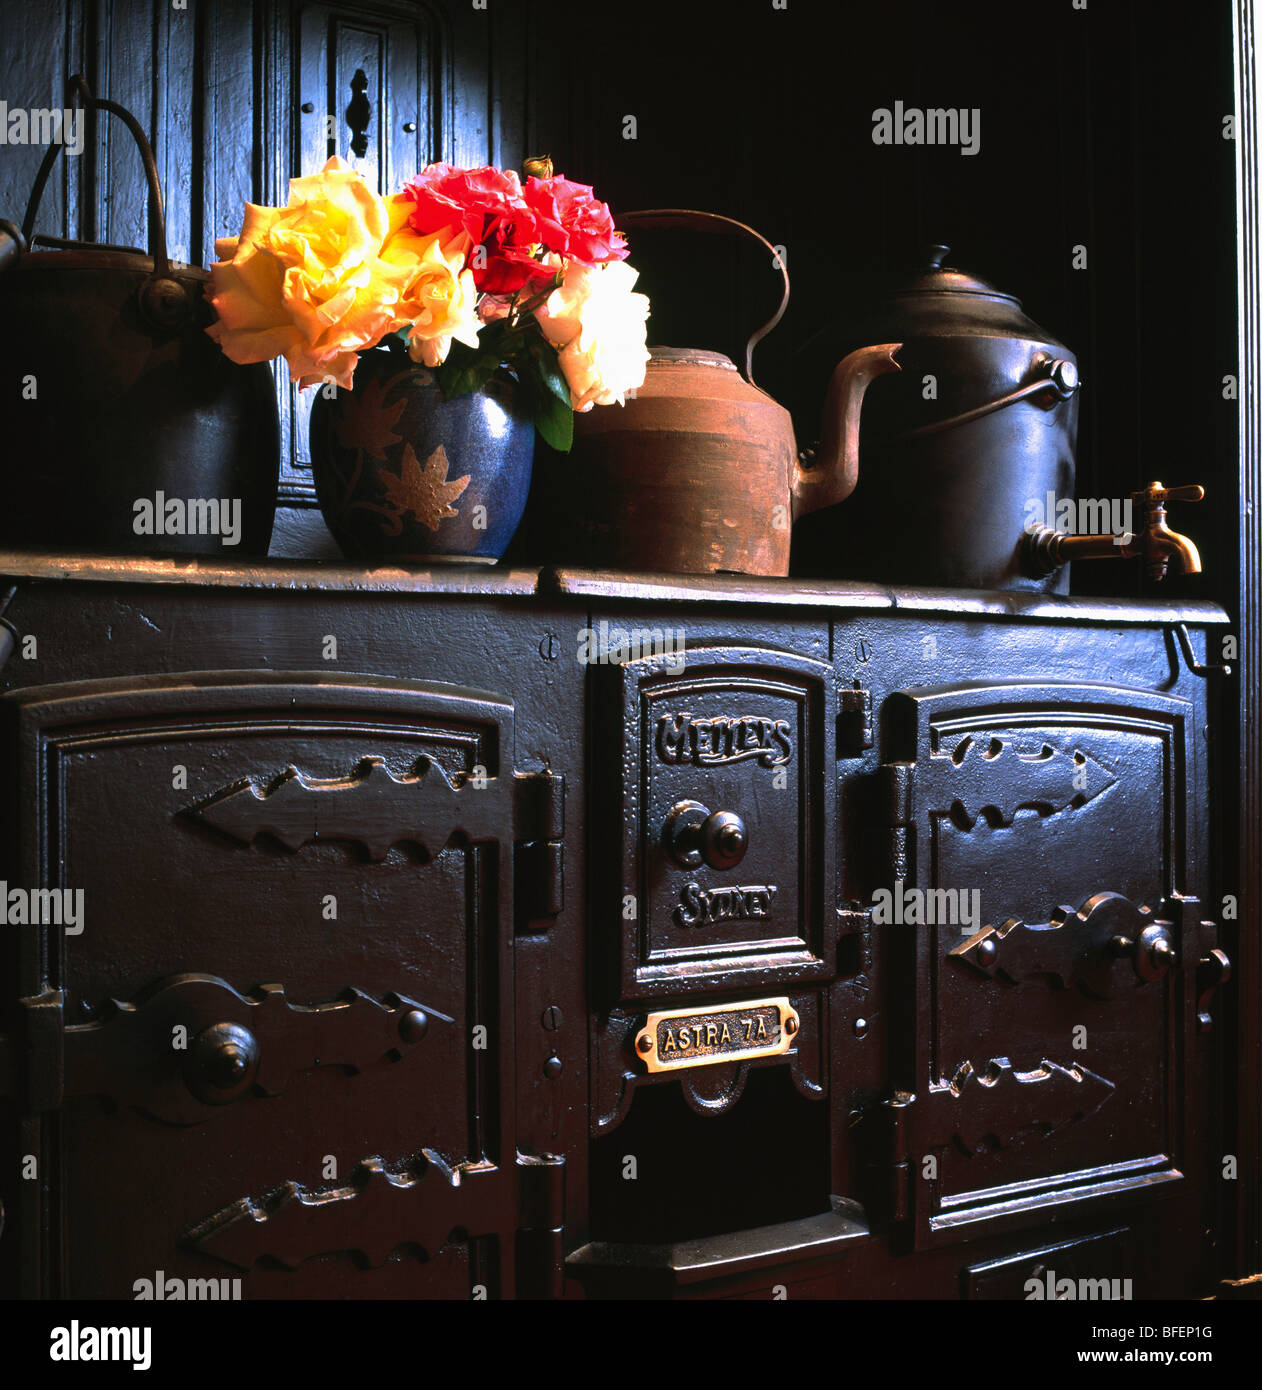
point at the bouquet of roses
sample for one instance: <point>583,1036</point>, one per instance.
<point>473,270</point>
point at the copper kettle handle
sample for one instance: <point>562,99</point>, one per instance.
<point>714,222</point>
<point>77,87</point>
<point>163,301</point>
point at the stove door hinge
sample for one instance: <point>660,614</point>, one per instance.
<point>902,1166</point>
<point>541,1196</point>
<point>852,920</point>
<point>898,812</point>
<point>853,946</point>
<point>539,868</point>
<point>854,721</point>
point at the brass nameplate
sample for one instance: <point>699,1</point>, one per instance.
<point>701,1037</point>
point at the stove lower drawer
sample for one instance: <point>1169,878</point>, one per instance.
<point>792,1259</point>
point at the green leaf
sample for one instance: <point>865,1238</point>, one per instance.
<point>543,360</point>
<point>492,337</point>
<point>546,393</point>
<point>554,420</point>
<point>466,370</point>
<point>553,378</point>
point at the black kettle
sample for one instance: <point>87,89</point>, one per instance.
<point>960,450</point>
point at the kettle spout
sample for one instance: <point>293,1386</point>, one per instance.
<point>836,470</point>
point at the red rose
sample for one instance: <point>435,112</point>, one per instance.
<point>509,263</point>
<point>573,222</point>
<point>487,203</point>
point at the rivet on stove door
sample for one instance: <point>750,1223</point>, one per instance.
<point>413,1025</point>
<point>552,1068</point>
<point>645,1044</point>
<point>860,1027</point>
<point>791,1024</point>
<point>987,951</point>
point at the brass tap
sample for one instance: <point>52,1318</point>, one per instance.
<point>1155,543</point>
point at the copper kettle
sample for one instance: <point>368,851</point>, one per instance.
<point>131,402</point>
<point>698,472</point>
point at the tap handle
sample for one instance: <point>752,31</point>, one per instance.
<point>1156,542</point>
<point>1157,494</point>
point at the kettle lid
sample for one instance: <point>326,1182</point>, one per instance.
<point>934,276</point>
<point>937,298</point>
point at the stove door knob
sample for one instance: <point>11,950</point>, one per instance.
<point>222,1063</point>
<point>724,840</point>
<point>692,836</point>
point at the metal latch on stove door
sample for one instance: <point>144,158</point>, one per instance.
<point>421,1203</point>
<point>1108,945</point>
<point>1109,949</point>
<point>252,1043</point>
<point>189,1046</point>
<point>376,809</point>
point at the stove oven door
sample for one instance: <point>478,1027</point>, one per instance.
<point>1052,974</point>
<point>269,1060</point>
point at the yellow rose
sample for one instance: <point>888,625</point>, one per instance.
<point>437,300</point>
<point>306,281</point>
<point>599,328</point>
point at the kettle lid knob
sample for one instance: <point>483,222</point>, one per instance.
<point>937,257</point>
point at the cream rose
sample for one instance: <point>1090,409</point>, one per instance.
<point>598,326</point>
<point>438,301</point>
<point>306,281</point>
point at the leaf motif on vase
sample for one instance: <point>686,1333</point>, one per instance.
<point>364,421</point>
<point>425,492</point>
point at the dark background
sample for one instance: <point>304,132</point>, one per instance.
<point>1100,127</point>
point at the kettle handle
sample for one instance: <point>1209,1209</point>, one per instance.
<point>163,300</point>
<point>1057,381</point>
<point>715,222</point>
